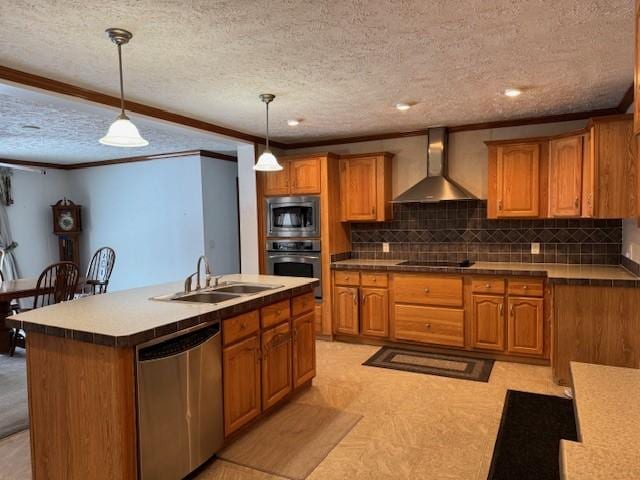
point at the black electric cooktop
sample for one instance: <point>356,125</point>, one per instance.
<point>463,264</point>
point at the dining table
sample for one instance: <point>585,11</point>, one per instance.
<point>12,290</point>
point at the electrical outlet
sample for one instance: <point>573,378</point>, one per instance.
<point>385,247</point>
<point>535,248</point>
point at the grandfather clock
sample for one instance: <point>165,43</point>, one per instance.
<point>67,226</point>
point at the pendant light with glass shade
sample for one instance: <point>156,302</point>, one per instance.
<point>122,132</point>
<point>267,161</point>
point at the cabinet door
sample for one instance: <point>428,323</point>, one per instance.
<point>488,322</point>
<point>358,192</point>
<point>346,310</point>
<point>304,349</point>
<point>588,177</point>
<point>374,308</point>
<point>305,176</point>
<point>518,180</point>
<point>241,372</point>
<point>277,183</point>
<point>565,176</point>
<point>525,325</point>
<point>277,377</point>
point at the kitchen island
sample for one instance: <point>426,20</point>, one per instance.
<point>82,374</point>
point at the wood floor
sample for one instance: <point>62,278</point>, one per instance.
<point>414,426</point>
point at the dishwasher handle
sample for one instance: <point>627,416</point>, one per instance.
<point>178,345</point>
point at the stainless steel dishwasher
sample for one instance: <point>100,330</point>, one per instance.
<point>180,417</point>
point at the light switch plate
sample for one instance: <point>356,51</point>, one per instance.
<point>385,247</point>
<point>535,248</point>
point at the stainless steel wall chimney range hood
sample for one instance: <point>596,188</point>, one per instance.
<point>436,187</point>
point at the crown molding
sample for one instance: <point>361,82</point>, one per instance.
<point>116,161</point>
<point>56,86</point>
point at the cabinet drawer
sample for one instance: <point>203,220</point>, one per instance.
<point>526,287</point>
<point>302,304</point>
<point>274,314</point>
<point>374,280</point>
<point>236,328</point>
<point>487,285</point>
<point>347,278</point>
<point>428,290</point>
<point>441,326</point>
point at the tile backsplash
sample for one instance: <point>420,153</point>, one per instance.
<point>460,230</point>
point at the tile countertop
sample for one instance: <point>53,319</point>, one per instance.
<point>608,420</point>
<point>597,275</point>
<point>130,317</point>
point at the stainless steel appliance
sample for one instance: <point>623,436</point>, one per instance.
<point>293,217</point>
<point>180,417</point>
<point>295,258</point>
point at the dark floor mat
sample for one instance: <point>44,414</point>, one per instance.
<point>528,442</point>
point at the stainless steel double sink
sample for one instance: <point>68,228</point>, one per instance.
<point>224,292</point>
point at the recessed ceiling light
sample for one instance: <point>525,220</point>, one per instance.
<point>293,122</point>
<point>513,92</point>
<point>403,106</point>
<point>31,127</point>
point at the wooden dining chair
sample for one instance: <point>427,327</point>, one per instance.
<point>57,283</point>
<point>99,271</point>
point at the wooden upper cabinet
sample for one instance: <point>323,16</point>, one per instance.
<point>518,180</point>
<point>304,175</point>
<point>241,367</point>
<point>565,176</point>
<point>613,167</point>
<point>525,326</point>
<point>277,183</point>
<point>299,176</point>
<point>488,322</point>
<point>375,312</point>
<point>365,187</point>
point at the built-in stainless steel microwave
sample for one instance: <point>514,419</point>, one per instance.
<point>292,217</point>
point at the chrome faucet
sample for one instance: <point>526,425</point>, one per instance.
<point>207,271</point>
<point>197,274</point>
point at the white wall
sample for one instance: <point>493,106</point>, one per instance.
<point>151,213</point>
<point>467,153</point>
<point>220,211</point>
<point>248,205</point>
<point>31,220</point>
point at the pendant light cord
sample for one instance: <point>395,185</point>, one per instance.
<point>267,149</point>
<point>121,81</point>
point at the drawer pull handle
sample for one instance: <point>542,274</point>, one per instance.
<point>243,325</point>
<point>526,287</point>
<point>501,308</point>
<point>428,325</point>
<point>486,285</point>
<point>426,290</point>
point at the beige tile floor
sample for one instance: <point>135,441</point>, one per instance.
<point>414,426</point>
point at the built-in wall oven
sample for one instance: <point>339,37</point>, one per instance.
<point>293,217</point>
<point>295,258</point>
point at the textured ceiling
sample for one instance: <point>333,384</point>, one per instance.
<point>339,65</point>
<point>69,131</point>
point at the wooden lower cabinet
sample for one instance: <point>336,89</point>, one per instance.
<point>525,326</point>
<point>241,367</point>
<point>346,310</point>
<point>304,349</point>
<point>277,377</point>
<point>487,331</point>
<point>374,308</point>
<point>440,326</point>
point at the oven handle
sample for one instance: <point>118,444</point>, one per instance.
<point>293,255</point>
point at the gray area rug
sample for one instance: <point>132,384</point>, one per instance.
<point>14,416</point>
<point>453,366</point>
